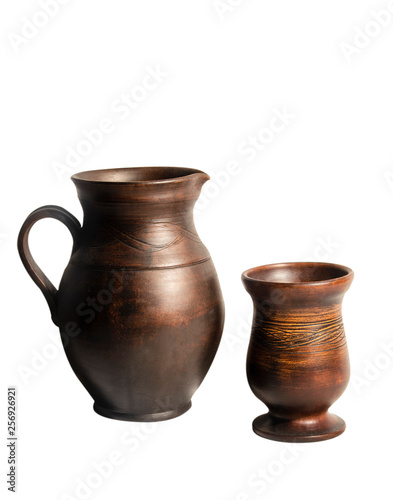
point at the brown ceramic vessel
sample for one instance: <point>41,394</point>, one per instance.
<point>297,361</point>
<point>139,305</point>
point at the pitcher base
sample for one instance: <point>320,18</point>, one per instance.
<point>149,417</point>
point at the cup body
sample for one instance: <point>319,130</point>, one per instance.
<point>297,361</point>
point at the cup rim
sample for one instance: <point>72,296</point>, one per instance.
<point>347,273</point>
<point>92,176</point>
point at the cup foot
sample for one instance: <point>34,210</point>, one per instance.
<point>149,417</point>
<point>302,430</point>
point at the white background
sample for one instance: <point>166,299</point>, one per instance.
<point>321,190</point>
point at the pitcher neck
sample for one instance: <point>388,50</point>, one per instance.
<point>168,199</point>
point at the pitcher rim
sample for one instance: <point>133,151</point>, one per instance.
<point>187,174</point>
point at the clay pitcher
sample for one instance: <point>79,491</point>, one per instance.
<point>297,361</point>
<point>139,306</point>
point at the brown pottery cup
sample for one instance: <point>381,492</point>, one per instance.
<point>297,361</point>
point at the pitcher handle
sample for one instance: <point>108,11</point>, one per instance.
<point>40,279</point>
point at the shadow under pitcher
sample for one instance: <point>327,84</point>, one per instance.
<point>139,306</point>
<point>297,361</point>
